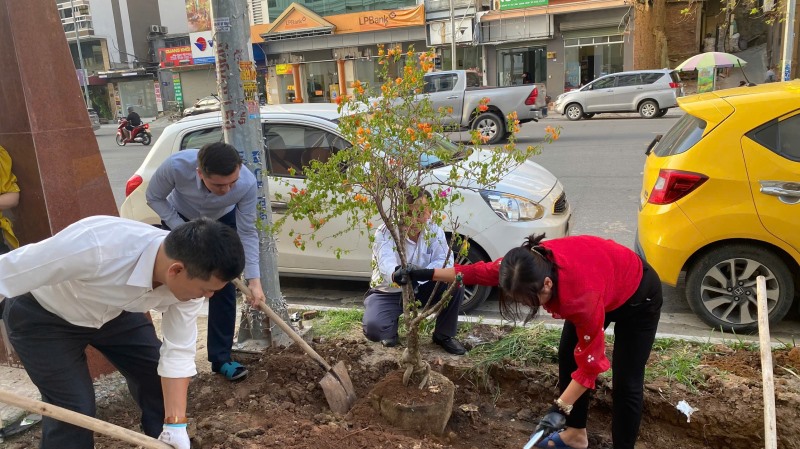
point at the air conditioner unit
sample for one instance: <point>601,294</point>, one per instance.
<point>155,28</point>
<point>164,30</point>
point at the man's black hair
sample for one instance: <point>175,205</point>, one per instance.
<point>206,247</point>
<point>218,158</point>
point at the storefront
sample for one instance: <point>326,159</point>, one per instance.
<point>313,59</point>
<point>134,88</point>
<point>441,29</point>
<point>563,45</point>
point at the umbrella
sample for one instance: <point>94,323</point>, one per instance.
<point>711,59</point>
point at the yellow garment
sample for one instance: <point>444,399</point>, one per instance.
<point>8,184</point>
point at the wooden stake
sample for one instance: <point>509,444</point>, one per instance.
<point>87,422</point>
<point>765,343</point>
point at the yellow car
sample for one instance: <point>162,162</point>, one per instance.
<point>721,202</point>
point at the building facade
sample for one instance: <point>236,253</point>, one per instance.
<point>313,58</point>
<point>116,52</point>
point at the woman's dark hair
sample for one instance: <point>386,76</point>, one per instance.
<point>522,274</point>
<point>206,247</point>
<point>218,158</point>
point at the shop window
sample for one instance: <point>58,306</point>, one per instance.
<point>522,66</point>
<point>588,58</point>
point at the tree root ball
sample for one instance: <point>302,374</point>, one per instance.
<point>424,410</point>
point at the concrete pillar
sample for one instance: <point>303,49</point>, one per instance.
<point>342,77</point>
<point>45,128</point>
<point>298,88</point>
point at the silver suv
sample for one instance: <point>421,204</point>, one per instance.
<point>649,92</point>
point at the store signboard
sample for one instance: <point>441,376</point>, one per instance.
<point>176,87</point>
<point>516,4</point>
<point>378,20</point>
<point>175,56</point>
<point>705,79</point>
<point>203,50</point>
<point>298,19</point>
<point>283,69</point>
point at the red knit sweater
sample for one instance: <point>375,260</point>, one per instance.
<point>594,276</point>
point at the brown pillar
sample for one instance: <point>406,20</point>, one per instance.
<point>342,78</point>
<point>298,89</point>
<point>45,128</point>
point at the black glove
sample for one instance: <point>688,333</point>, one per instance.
<point>400,275</point>
<point>553,421</point>
<point>411,273</point>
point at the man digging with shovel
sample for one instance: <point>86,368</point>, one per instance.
<point>211,182</point>
<point>90,284</point>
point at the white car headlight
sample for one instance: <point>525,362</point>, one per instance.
<point>512,207</point>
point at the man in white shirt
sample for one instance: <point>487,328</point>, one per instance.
<point>426,247</point>
<point>211,183</point>
<point>90,284</point>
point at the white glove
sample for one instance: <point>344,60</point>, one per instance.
<point>176,436</point>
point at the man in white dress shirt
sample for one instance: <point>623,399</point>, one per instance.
<point>426,247</point>
<point>90,284</point>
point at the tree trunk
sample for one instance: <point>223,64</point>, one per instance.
<point>417,371</point>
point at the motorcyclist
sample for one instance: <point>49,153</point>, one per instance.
<point>133,121</point>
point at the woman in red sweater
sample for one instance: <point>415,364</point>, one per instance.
<point>589,282</point>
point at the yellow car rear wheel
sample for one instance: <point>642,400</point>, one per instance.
<point>721,287</point>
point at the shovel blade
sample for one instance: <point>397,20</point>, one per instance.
<point>338,389</point>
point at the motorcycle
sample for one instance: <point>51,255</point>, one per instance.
<point>140,134</point>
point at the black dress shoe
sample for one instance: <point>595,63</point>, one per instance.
<point>391,342</point>
<point>449,344</point>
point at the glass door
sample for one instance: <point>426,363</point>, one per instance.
<point>525,65</point>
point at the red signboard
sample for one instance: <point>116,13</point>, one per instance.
<point>175,56</point>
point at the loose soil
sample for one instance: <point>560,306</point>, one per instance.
<point>281,405</point>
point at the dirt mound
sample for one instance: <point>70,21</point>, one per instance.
<point>281,405</point>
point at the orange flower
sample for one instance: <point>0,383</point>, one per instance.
<point>483,108</point>
<point>369,225</point>
<point>398,81</point>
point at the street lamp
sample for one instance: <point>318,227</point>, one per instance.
<point>80,55</point>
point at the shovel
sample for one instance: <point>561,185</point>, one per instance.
<point>87,422</point>
<point>336,383</point>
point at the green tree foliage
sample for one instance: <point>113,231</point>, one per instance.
<point>397,149</point>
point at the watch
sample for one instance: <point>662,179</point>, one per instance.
<point>176,420</point>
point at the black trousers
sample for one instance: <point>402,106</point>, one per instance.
<point>382,311</point>
<point>221,312</point>
<point>635,325</point>
<point>52,351</point>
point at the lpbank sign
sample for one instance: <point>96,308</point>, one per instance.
<point>203,50</point>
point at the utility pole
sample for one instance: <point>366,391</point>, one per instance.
<point>788,43</point>
<point>241,123</point>
<point>85,78</point>
<point>453,37</point>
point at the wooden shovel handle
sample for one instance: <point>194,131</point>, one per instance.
<point>283,325</point>
<point>87,422</point>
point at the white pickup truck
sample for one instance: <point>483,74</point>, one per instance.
<point>462,91</point>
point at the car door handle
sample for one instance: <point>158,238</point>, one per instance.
<point>452,97</point>
<point>640,88</point>
<point>279,206</point>
<point>788,192</point>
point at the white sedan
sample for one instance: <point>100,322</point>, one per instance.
<point>528,200</point>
